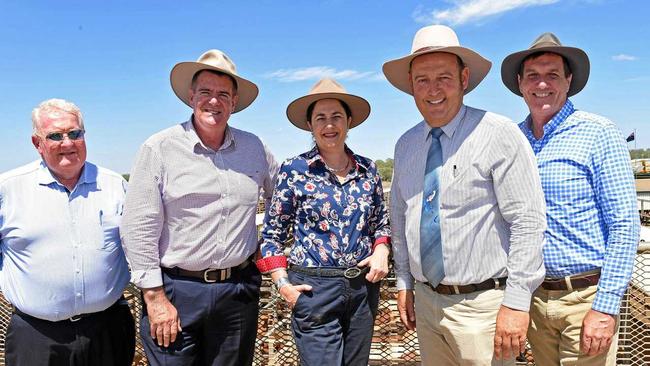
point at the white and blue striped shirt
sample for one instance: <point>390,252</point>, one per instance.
<point>591,205</point>
<point>61,251</point>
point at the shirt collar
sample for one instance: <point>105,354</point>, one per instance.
<point>450,127</point>
<point>561,116</point>
<point>314,158</point>
<point>190,131</point>
<point>45,176</point>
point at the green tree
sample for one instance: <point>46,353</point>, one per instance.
<point>385,169</point>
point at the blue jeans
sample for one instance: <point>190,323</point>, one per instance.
<point>333,323</point>
<point>219,321</point>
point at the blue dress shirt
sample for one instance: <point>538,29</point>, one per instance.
<point>591,205</point>
<point>61,251</point>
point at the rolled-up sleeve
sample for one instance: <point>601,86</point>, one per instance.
<point>520,198</point>
<point>143,219</point>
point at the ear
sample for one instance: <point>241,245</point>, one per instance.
<point>309,126</point>
<point>349,122</point>
<point>569,78</point>
<point>464,77</point>
<point>519,83</point>
<point>191,99</point>
<point>235,99</point>
<point>38,143</point>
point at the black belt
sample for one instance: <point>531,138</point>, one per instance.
<point>349,273</point>
<point>571,283</point>
<point>492,283</point>
<point>207,275</point>
<point>76,318</point>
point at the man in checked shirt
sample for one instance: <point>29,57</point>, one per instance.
<point>593,224</point>
<point>189,223</point>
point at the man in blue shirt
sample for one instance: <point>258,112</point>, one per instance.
<point>593,223</point>
<point>62,264</point>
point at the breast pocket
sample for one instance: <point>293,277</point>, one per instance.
<point>248,186</point>
<point>110,225</point>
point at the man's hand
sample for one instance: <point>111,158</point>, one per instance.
<point>164,323</point>
<point>510,335</point>
<point>597,332</point>
<point>406,307</point>
<point>378,263</point>
<point>290,293</point>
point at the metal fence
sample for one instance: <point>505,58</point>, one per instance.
<point>392,344</point>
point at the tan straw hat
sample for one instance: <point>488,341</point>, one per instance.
<point>182,74</point>
<point>548,42</point>
<point>436,38</point>
<point>327,89</point>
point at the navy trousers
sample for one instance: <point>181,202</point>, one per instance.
<point>333,324</point>
<point>106,338</point>
<point>219,321</point>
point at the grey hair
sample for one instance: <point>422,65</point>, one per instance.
<point>55,106</point>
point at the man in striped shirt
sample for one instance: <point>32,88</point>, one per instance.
<point>467,212</point>
<point>593,223</point>
<point>189,223</point>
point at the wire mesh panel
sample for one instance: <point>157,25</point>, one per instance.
<point>392,344</point>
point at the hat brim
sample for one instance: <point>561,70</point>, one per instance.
<point>397,71</point>
<point>577,59</point>
<point>297,110</point>
<point>181,80</point>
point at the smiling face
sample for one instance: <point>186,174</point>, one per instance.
<point>213,99</point>
<point>65,158</point>
<point>329,124</point>
<point>544,86</point>
<point>438,86</point>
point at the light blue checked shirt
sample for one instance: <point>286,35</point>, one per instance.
<point>61,251</point>
<point>591,205</point>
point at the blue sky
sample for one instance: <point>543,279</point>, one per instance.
<point>113,58</point>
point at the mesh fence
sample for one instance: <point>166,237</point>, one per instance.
<point>392,343</point>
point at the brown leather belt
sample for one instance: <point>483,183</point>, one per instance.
<point>571,283</point>
<point>207,275</point>
<point>492,283</point>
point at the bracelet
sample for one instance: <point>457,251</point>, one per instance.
<point>281,282</point>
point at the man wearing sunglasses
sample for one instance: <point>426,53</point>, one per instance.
<point>62,266</point>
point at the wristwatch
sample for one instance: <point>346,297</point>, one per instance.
<point>281,282</point>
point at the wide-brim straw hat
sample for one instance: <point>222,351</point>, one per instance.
<point>216,60</point>
<point>548,42</point>
<point>436,38</point>
<point>327,89</point>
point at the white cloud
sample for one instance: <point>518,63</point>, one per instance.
<point>319,72</point>
<point>624,57</point>
<point>464,11</point>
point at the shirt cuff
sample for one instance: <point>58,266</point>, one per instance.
<point>516,299</point>
<point>607,303</point>
<point>381,240</point>
<point>149,278</point>
<point>268,264</point>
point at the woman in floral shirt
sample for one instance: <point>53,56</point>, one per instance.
<point>332,199</point>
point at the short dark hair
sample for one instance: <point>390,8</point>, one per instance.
<point>310,109</point>
<point>459,61</point>
<point>532,56</point>
<point>215,72</point>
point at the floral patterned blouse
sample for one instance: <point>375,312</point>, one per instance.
<point>334,224</point>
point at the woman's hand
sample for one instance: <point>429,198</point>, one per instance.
<point>378,262</point>
<point>290,293</point>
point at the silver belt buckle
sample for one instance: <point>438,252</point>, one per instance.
<point>352,272</point>
<point>75,318</point>
<point>206,273</point>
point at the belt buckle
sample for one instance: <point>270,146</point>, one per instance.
<point>352,272</point>
<point>75,318</point>
<point>206,273</point>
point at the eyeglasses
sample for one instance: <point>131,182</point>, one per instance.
<point>72,135</point>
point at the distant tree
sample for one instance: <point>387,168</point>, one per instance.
<point>385,168</point>
<point>126,176</point>
<point>640,153</point>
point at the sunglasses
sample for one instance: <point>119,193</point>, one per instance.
<point>72,135</point>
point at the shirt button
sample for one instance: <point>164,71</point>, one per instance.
<point>77,270</point>
<point>78,294</point>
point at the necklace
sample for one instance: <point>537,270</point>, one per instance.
<point>333,170</point>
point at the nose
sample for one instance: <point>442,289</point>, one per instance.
<point>542,84</point>
<point>67,141</point>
